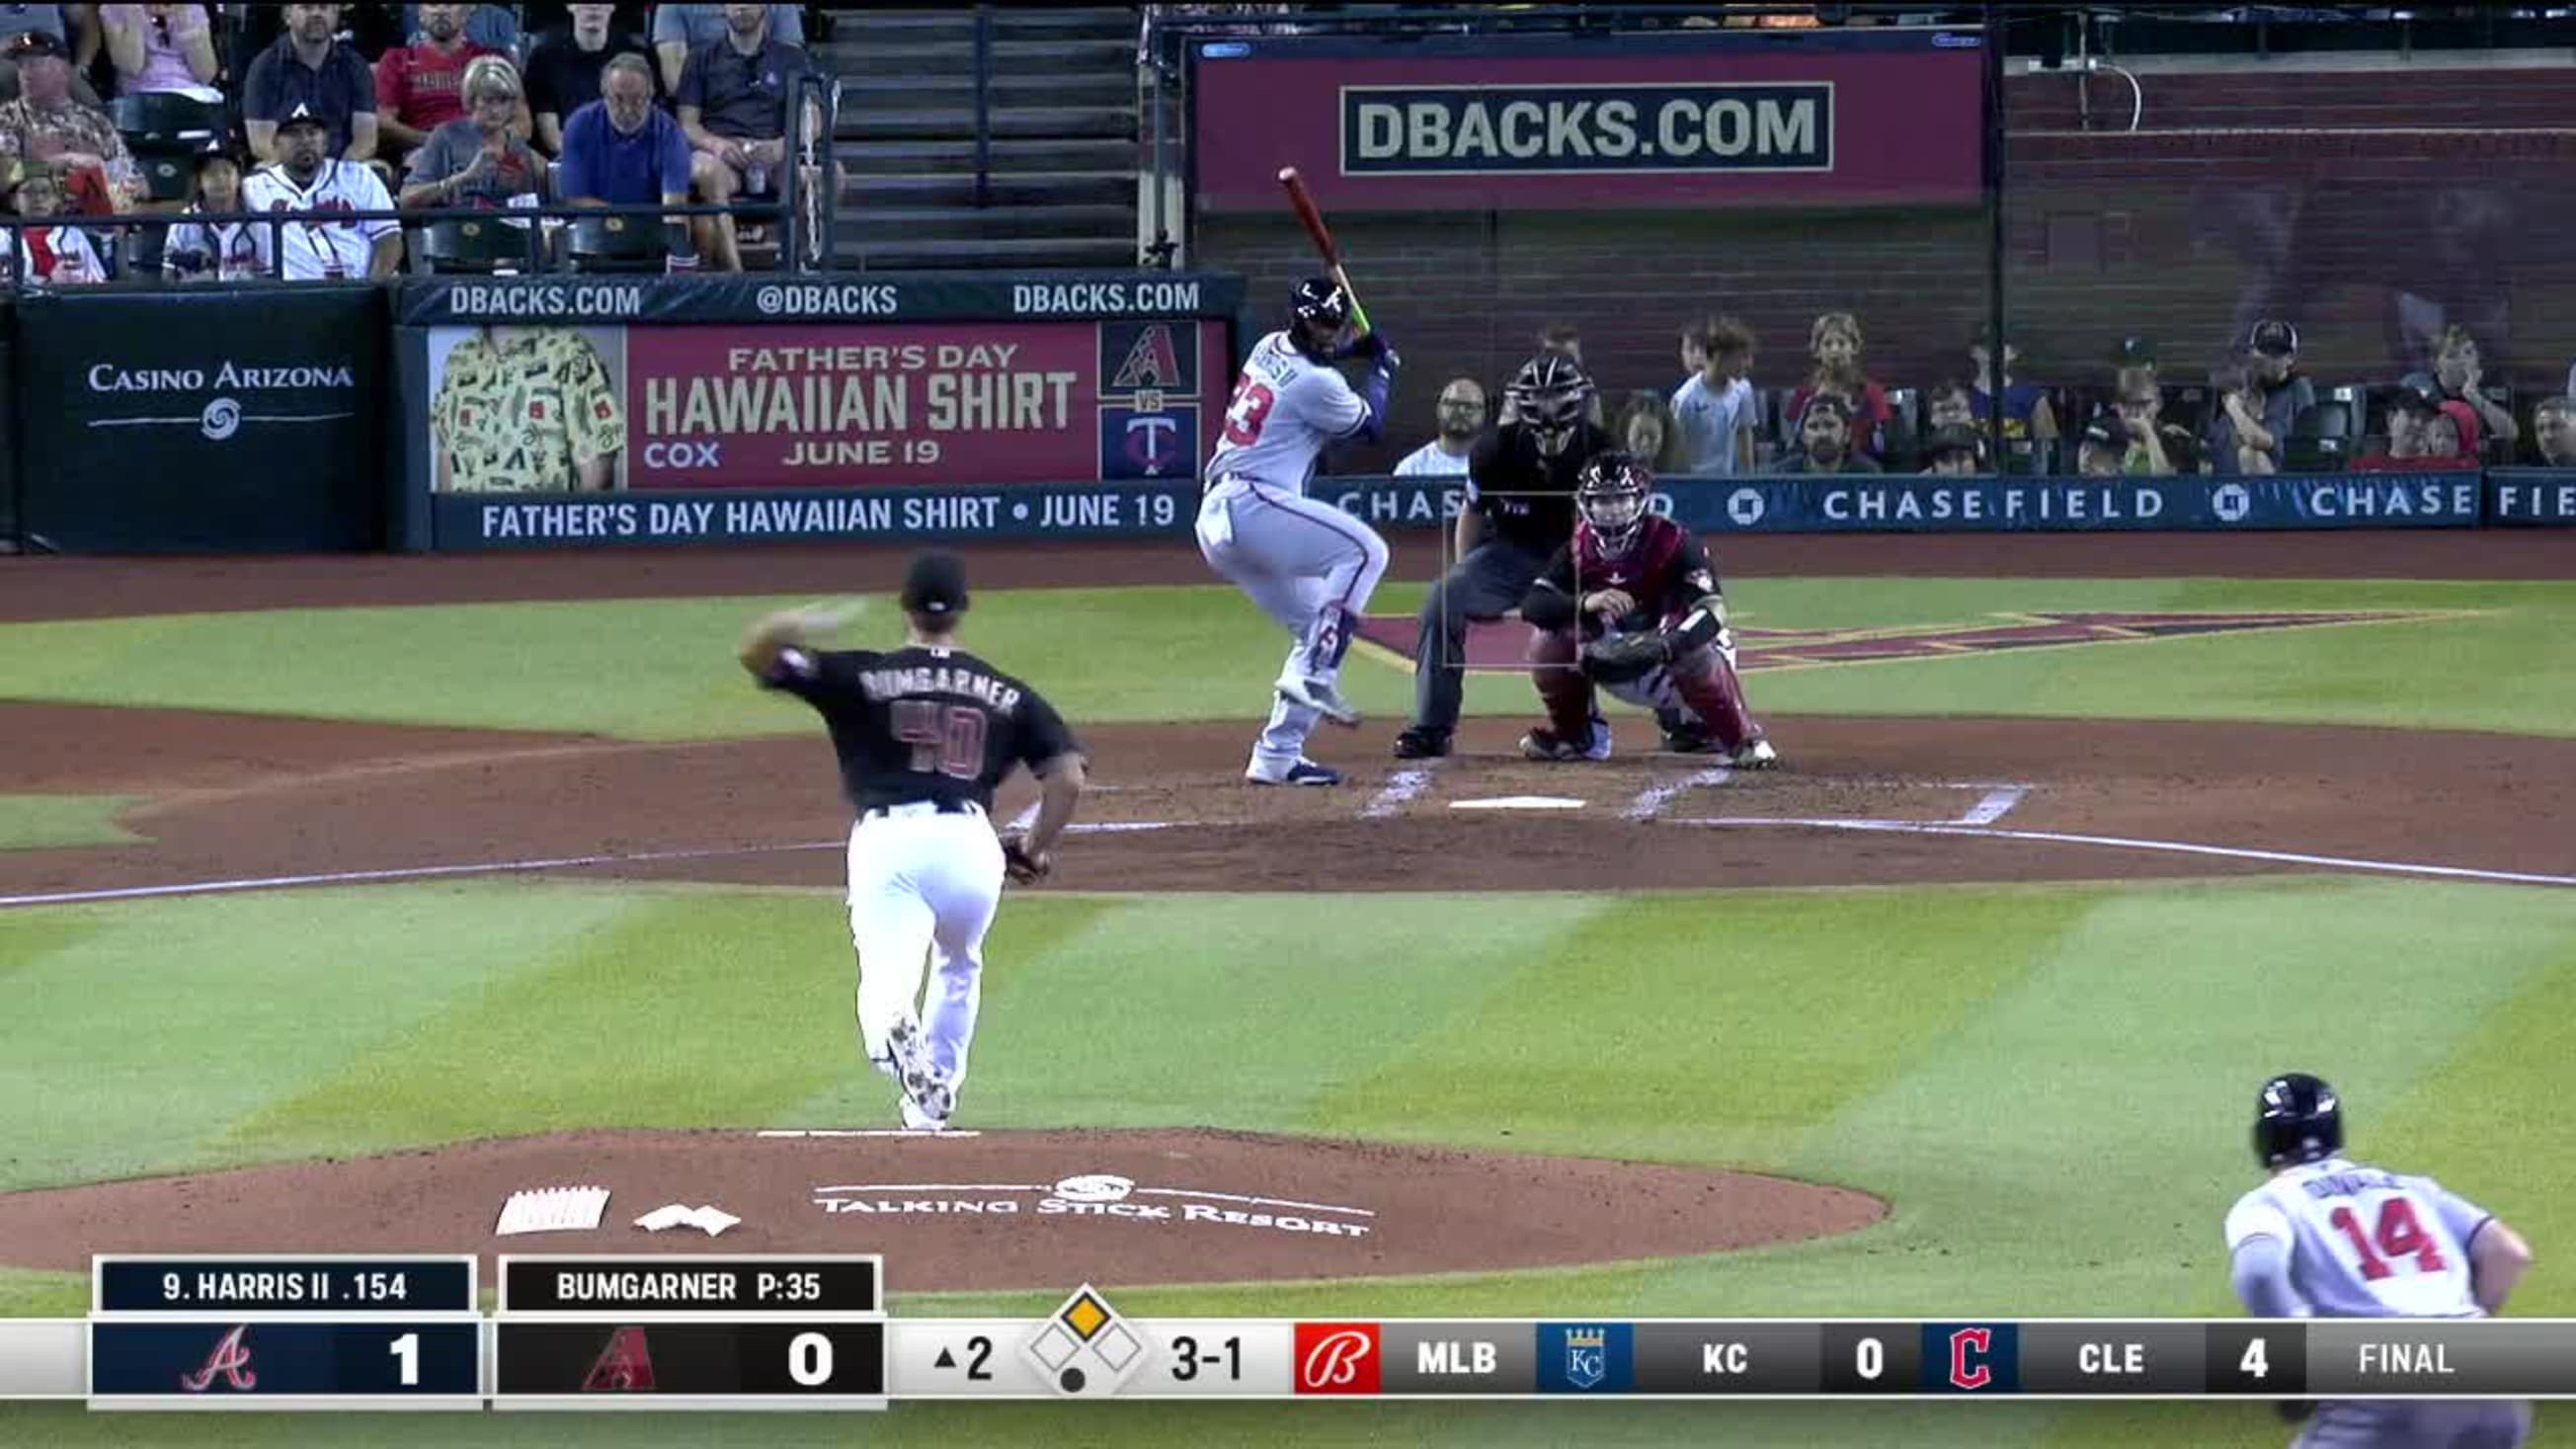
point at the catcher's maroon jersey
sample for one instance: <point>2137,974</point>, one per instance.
<point>1664,569</point>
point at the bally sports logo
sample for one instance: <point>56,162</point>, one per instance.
<point>1104,1195</point>
<point>1338,1358</point>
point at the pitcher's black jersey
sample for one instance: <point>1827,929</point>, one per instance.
<point>922,723</point>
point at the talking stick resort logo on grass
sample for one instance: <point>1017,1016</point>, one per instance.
<point>1096,1195</point>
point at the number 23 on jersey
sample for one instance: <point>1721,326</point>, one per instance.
<point>1248,411</point>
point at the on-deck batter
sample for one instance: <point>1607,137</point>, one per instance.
<point>924,733</point>
<point>1307,564</point>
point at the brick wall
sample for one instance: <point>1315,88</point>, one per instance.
<point>2246,194</point>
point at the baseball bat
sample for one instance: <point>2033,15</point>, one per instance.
<point>1322,235</point>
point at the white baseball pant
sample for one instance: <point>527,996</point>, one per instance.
<point>923,887</point>
<point>1308,565</point>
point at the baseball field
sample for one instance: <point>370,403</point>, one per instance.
<point>341,899</point>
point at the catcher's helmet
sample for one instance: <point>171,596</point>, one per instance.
<point>1317,312</point>
<point>2297,1119</point>
<point>1610,493</point>
<point>1551,393</point>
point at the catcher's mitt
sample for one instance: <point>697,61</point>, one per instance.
<point>1623,657</point>
<point>1023,865</point>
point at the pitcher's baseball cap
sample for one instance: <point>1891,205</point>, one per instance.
<point>935,584</point>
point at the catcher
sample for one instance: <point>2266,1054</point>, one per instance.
<point>1631,605</point>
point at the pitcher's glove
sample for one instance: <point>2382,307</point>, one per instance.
<point>1023,865</point>
<point>1624,657</point>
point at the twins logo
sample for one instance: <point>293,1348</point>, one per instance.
<point>1338,1358</point>
<point>231,1359</point>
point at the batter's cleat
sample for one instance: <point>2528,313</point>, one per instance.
<point>1756,756</point>
<point>1542,743</point>
<point>925,1087</point>
<point>1321,696</point>
<point>917,1120</point>
<point>1689,740</point>
<point>1304,772</point>
<point>1419,742</point>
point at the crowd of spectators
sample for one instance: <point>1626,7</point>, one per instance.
<point>2258,414</point>
<point>195,109</point>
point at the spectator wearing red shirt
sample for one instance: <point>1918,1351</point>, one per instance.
<point>1835,342</point>
<point>420,86</point>
<point>2457,373</point>
<point>2425,437</point>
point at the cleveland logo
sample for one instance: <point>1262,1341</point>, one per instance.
<point>230,1361</point>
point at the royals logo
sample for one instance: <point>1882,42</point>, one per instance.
<point>1587,1357</point>
<point>230,1361</point>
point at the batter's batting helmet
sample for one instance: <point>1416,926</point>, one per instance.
<point>1317,312</point>
<point>2297,1119</point>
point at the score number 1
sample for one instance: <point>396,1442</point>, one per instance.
<point>1187,1360</point>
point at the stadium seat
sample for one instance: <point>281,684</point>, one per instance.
<point>473,246</point>
<point>2326,438</point>
<point>616,244</point>
<point>1901,439</point>
<point>166,131</point>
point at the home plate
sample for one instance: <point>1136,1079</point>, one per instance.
<point>1519,802</point>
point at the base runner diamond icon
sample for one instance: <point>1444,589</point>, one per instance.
<point>1084,1349</point>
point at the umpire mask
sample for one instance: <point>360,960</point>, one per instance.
<point>1552,394</point>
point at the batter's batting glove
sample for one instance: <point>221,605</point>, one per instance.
<point>1371,345</point>
<point>1023,865</point>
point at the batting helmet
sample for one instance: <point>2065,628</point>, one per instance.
<point>1551,394</point>
<point>2297,1119</point>
<point>1317,312</point>
<point>1610,493</point>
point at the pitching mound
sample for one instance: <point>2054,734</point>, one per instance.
<point>993,1211</point>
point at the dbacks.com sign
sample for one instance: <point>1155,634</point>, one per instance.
<point>1454,130</point>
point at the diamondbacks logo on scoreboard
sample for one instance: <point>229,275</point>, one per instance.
<point>230,1361</point>
<point>1339,1358</point>
<point>625,1366</point>
<point>1149,399</point>
<point>1585,1358</point>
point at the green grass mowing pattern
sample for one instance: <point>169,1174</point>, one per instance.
<point>663,669</point>
<point>135,1044</point>
<point>44,822</point>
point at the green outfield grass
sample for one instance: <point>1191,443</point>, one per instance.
<point>662,669</point>
<point>43,822</point>
<point>2048,1084</point>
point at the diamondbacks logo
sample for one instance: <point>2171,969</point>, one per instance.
<point>1152,361</point>
<point>625,1366</point>
<point>230,1361</point>
<point>1500,647</point>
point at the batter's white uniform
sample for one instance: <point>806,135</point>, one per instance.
<point>2366,1243</point>
<point>315,249</point>
<point>1307,564</point>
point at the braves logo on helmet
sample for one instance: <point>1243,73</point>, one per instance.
<point>1318,310</point>
<point>1610,494</point>
<point>2297,1118</point>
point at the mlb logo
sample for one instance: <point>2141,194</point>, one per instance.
<point>1138,443</point>
<point>1338,1358</point>
<point>1586,1358</point>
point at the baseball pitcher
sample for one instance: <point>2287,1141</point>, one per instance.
<point>1307,564</point>
<point>2328,1237</point>
<point>1630,605</point>
<point>924,733</point>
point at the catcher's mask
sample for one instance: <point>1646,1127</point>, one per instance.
<point>1552,393</point>
<point>1610,493</point>
<point>2297,1119</point>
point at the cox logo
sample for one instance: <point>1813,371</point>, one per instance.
<point>683,455</point>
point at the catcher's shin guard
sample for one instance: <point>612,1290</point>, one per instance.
<point>1708,684</point>
<point>1564,690</point>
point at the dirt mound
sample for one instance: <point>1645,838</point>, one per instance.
<point>999,1210</point>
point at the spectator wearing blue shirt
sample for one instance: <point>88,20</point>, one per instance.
<point>679,29</point>
<point>732,101</point>
<point>622,150</point>
<point>311,68</point>
<point>2028,414</point>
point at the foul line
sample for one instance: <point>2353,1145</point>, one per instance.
<point>1400,789</point>
<point>493,867</point>
<point>2170,847</point>
<point>1651,801</point>
<point>1997,804</point>
<point>861,1132</point>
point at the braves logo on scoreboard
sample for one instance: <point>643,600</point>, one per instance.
<point>1338,1358</point>
<point>230,1361</point>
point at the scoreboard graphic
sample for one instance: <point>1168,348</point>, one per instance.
<point>673,1332</point>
